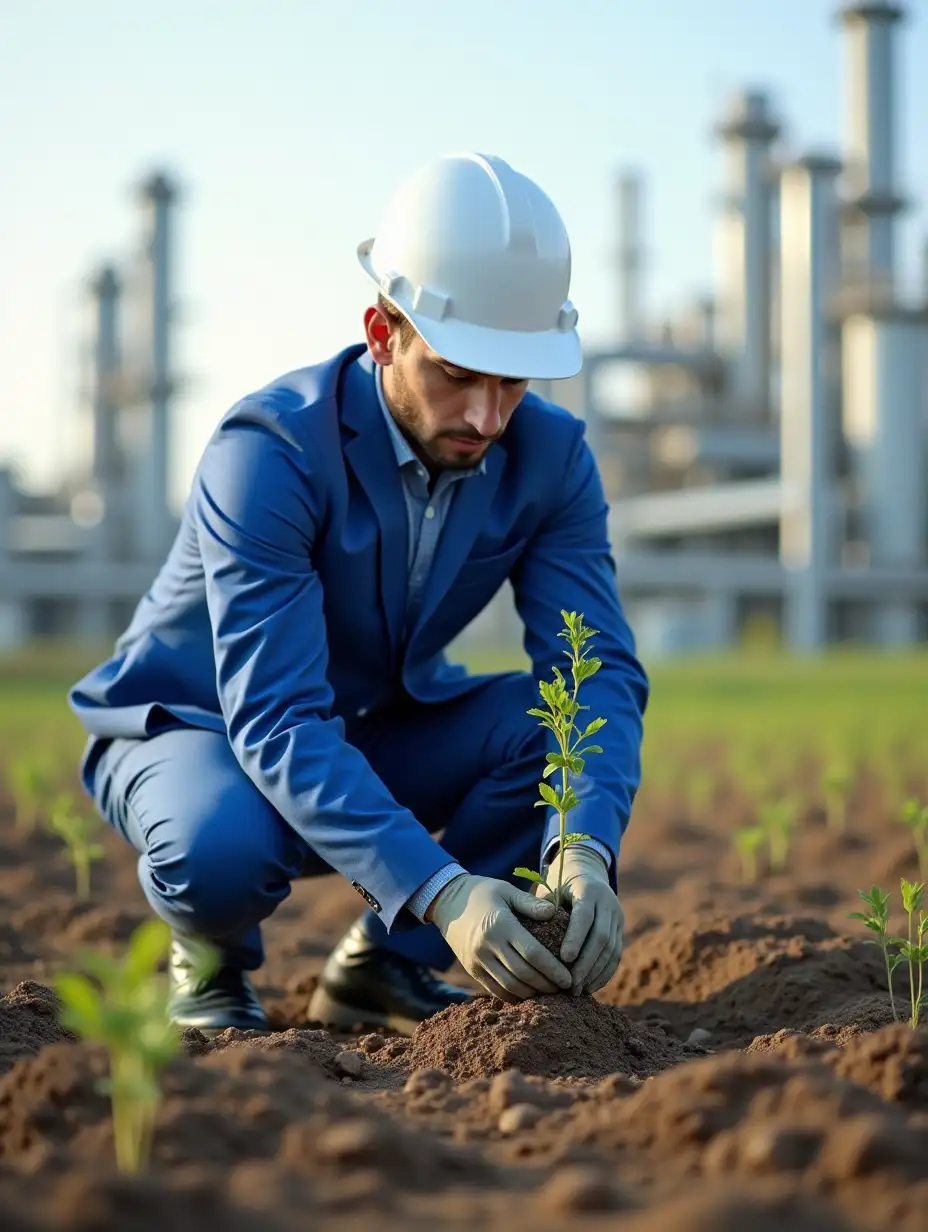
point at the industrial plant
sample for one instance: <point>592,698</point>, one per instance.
<point>764,452</point>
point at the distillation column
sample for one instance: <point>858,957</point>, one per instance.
<point>885,381</point>
<point>870,144</point>
<point>155,524</point>
<point>630,258</point>
<point>744,250</point>
<point>810,423</point>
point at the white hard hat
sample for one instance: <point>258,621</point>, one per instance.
<point>478,258</point>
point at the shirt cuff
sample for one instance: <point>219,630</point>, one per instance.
<point>428,891</point>
<point>600,848</point>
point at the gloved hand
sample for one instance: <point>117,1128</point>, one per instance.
<point>593,942</point>
<point>476,916</point>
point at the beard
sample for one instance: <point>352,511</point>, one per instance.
<point>433,448</point>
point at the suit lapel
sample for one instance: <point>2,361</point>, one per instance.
<point>370,454</point>
<point>466,517</point>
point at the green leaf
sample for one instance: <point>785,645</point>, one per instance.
<point>558,760</point>
<point>576,838</point>
<point>82,1003</point>
<point>590,748</point>
<point>148,945</point>
<point>593,727</point>
<point>548,771</point>
<point>576,764</point>
<point>530,875</point>
<point>549,795</point>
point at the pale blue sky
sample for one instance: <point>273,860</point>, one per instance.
<point>289,121</point>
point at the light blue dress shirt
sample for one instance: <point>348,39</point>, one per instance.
<point>426,512</point>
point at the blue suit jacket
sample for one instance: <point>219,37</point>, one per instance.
<point>279,611</point>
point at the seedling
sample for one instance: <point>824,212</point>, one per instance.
<point>878,922</point>
<point>836,784</point>
<point>748,842</point>
<point>560,718</point>
<point>30,779</point>
<point>77,832</point>
<point>911,949</point>
<point>778,821</point>
<point>915,816</point>
<point>127,1012</point>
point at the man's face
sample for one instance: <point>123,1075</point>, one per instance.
<point>450,416</point>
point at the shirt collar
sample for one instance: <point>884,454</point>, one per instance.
<point>404,454</point>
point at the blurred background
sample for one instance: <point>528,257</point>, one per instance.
<point>744,184</point>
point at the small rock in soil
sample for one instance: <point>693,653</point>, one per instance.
<point>699,1036</point>
<point>427,1080</point>
<point>519,1117</point>
<point>372,1043</point>
<point>348,1064</point>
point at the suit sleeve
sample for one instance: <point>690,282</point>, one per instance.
<point>568,565</point>
<point>257,518</point>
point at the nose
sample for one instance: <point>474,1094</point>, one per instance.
<point>484,412</point>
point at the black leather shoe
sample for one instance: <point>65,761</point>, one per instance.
<point>363,985</point>
<point>223,999</point>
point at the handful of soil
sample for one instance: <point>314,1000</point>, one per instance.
<point>551,932</point>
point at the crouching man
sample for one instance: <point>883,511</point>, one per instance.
<point>281,706</point>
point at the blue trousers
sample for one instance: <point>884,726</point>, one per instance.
<point>215,858</point>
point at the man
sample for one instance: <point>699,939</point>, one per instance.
<point>281,705</point>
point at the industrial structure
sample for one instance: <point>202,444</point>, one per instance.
<point>764,455</point>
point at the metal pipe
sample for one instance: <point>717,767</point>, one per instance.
<point>870,140</point>
<point>809,410</point>
<point>630,256</point>
<point>744,238</point>
<point>158,194</point>
<point>884,395</point>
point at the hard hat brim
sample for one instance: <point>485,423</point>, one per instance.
<point>550,355</point>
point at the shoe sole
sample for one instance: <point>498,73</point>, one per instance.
<point>331,1013</point>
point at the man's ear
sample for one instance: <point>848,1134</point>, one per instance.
<point>378,331</point>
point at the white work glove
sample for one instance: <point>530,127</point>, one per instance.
<point>476,916</point>
<point>593,942</point>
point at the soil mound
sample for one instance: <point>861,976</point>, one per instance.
<point>551,1037</point>
<point>28,1021</point>
<point>223,1109</point>
<point>739,977</point>
<point>892,1062</point>
<point>317,1047</point>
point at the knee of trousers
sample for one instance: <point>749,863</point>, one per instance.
<point>216,889</point>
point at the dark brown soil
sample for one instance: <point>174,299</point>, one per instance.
<point>552,1037</point>
<point>741,1071</point>
<point>551,932</point>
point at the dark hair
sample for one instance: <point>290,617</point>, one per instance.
<point>403,325</point>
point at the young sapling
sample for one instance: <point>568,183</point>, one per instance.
<point>748,842</point>
<point>560,719</point>
<point>915,815</point>
<point>836,784</point>
<point>125,1009</point>
<point>77,832</point>
<point>912,947</point>
<point>878,922</point>
<point>30,778</point>
<point>778,821</point>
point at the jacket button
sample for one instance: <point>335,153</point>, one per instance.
<point>362,711</point>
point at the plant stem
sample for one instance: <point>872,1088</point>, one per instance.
<point>82,873</point>
<point>914,1020</point>
<point>889,977</point>
<point>564,742</point>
